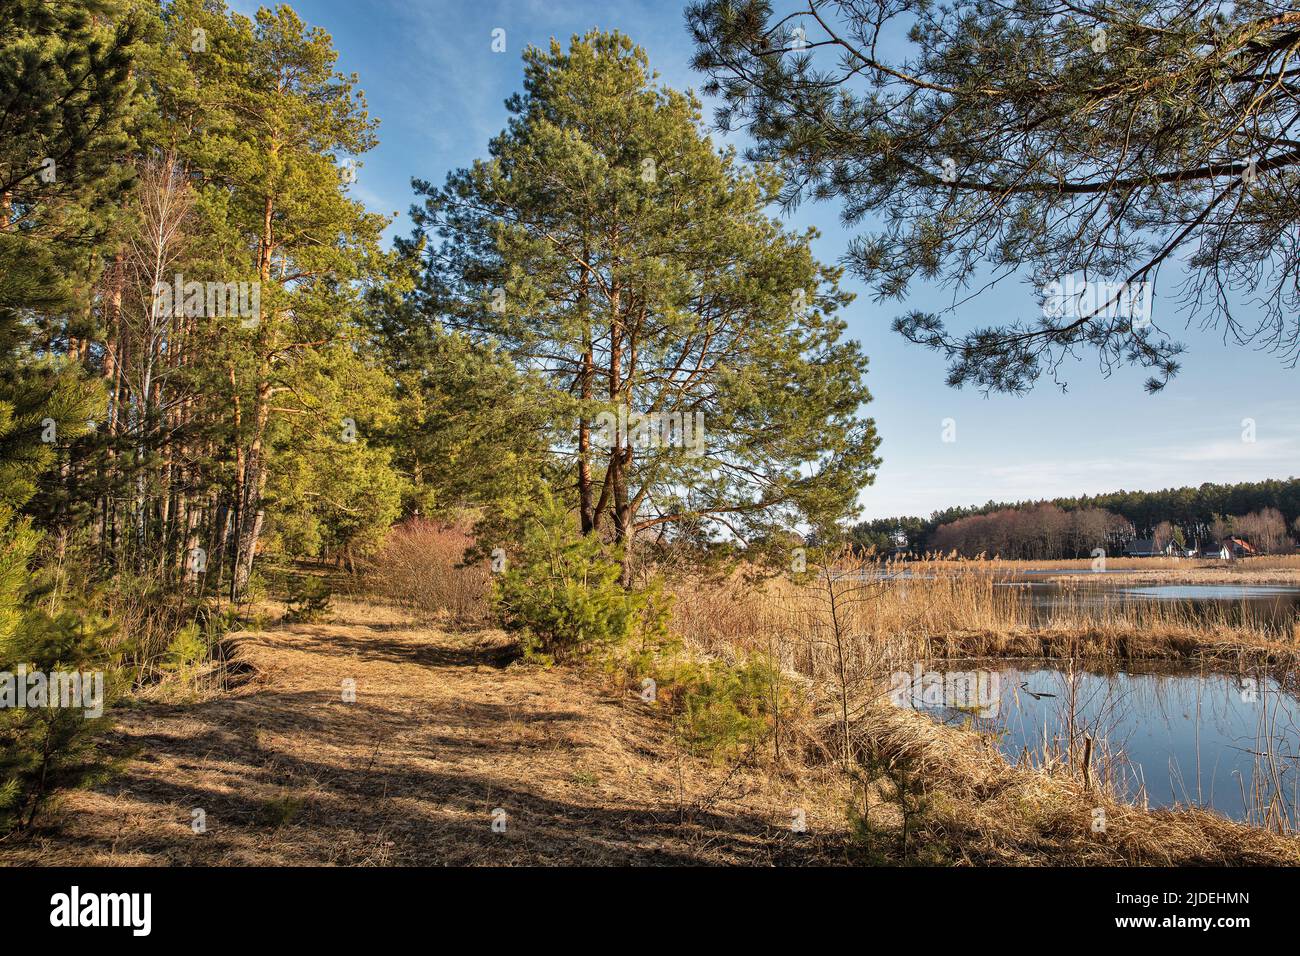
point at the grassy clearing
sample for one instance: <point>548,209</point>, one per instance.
<point>446,729</point>
<point>443,733</point>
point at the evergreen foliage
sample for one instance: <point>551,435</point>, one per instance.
<point>1143,142</point>
<point>561,592</point>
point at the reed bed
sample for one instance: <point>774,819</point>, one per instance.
<point>1263,562</point>
<point>841,630</point>
<point>1220,573</point>
<point>1261,569</point>
<point>987,811</point>
<point>933,609</point>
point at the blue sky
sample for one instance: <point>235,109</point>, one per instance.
<point>431,78</point>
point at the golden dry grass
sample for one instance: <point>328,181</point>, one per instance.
<point>840,636</point>
<point>1239,572</point>
<point>1261,563</point>
<point>444,731</point>
<point>985,811</point>
<point>440,735</point>
<point>933,609</point>
<point>1264,569</point>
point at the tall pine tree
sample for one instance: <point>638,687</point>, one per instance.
<point>610,247</point>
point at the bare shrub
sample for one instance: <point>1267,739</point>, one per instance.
<point>1266,530</point>
<point>419,567</point>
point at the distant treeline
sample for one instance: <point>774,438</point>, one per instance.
<point>1072,527</point>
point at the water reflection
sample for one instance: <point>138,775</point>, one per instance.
<point>1227,743</point>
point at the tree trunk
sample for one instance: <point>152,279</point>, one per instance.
<point>251,512</point>
<point>585,504</point>
<point>585,510</point>
<point>620,458</point>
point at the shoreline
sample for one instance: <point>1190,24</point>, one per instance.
<point>1107,644</point>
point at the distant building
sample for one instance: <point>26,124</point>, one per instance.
<point>1212,550</point>
<point>1149,548</point>
<point>1240,548</point>
<point>900,547</point>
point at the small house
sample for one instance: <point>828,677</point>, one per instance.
<point>900,546</point>
<point>1214,551</point>
<point>1240,548</point>
<point>1150,548</point>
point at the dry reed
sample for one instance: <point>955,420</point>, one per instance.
<point>933,609</point>
<point>840,632</point>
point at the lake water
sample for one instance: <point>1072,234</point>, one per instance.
<point>1227,743</point>
<point>1084,591</point>
<point>1274,605</point>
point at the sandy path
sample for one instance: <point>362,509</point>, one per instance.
<point>440,735</point>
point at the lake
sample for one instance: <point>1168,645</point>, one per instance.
<point>1091,594</point>
<point>1274,605</point>
<point>1226,743</point>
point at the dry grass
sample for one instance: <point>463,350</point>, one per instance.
<point>1267,562</point>
<point>984,811</point>
<point>841,633</point>
<point>933,609</point>
<point>1238,572</point>
<point>442,733</point>
<point>1265,569</point>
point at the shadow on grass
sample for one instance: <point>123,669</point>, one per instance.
<point>358,801</point>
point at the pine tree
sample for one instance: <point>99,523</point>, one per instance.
<point>1109,143</point>
<point>67,93</point>
<point>610,247</point>
<point>469,434</point>
<point>256,120</point>
<point>64,73</point>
